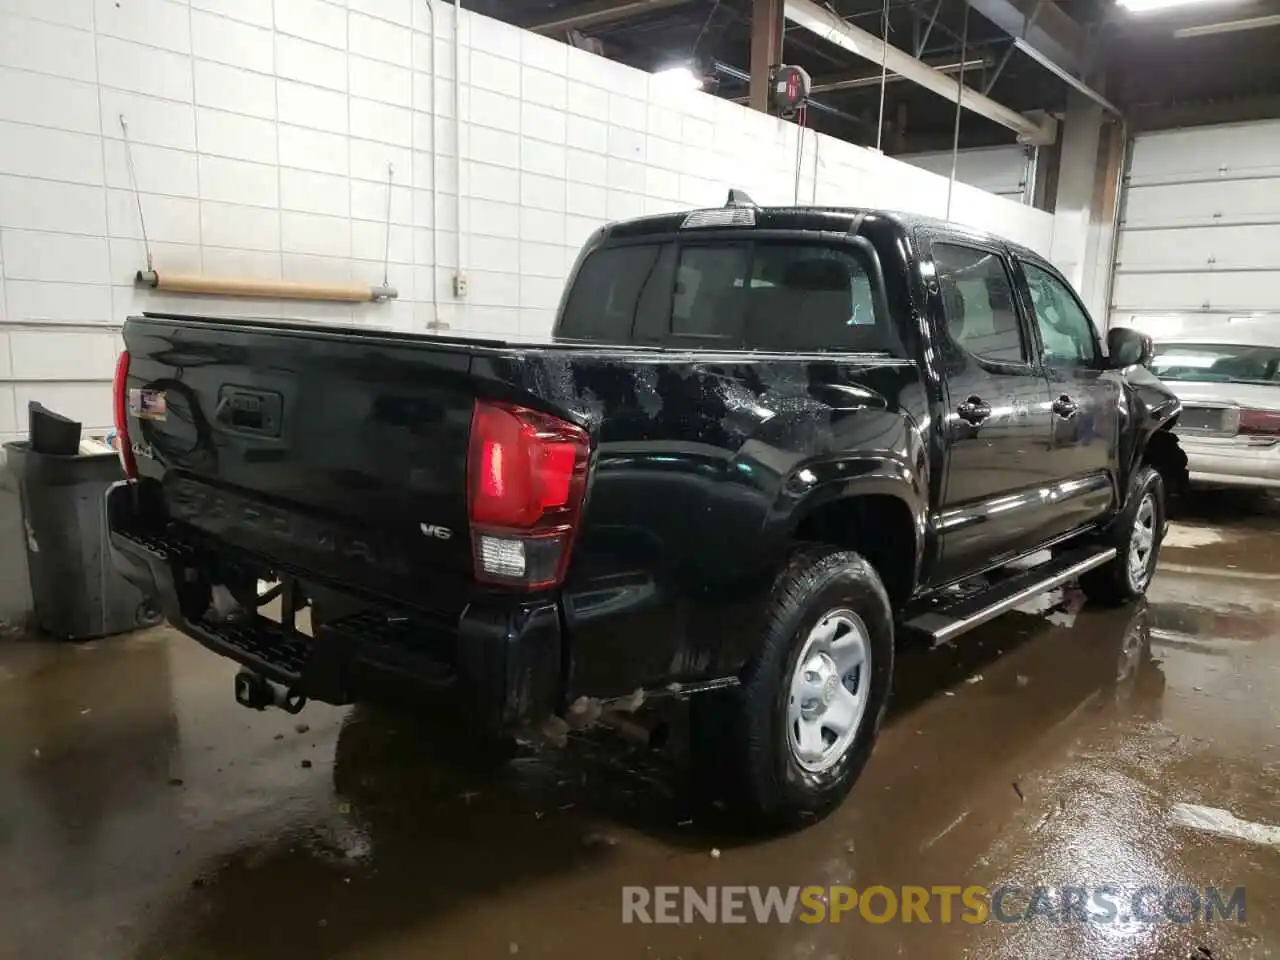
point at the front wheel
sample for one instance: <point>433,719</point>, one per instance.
<point>794,737</point>
<point>1136,535</point>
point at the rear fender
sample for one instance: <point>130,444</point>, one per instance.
<point>830,492</point>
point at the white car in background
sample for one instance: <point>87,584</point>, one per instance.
<point>1228,379</point>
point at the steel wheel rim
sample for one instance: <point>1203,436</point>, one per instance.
<point>829,690</point>
<point>1142,542</point>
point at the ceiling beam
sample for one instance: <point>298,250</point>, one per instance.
<point>824,23</point>
<point>1066,76</point>
<point>1042,26</point>
<point>860,80</point>
<point>598,13</point>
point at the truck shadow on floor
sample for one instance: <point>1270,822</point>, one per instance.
<point>425,820</point>
<point>1226,505</point>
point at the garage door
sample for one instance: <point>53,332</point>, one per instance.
<point>998,170</point>
<point>1200,228</point>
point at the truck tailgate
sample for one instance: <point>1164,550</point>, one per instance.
<point>338,453</point>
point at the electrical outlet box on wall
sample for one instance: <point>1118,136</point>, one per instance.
<point>459,284</point>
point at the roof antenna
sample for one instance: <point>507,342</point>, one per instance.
<point>739,198</point>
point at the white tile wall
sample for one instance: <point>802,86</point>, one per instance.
<point>307,192</point>
<point>238,181</point>
<point>379,39</point>
<point>261,132</point>
<point>310,62</point>
<point>73,13</point>
<point>313,149</point>
<point>173,173</point>
<point>46,48</point>
<point>235,90</point>
<point>234,136</point>
<point>230,41</point>
<point>313,20</point>
<point>160,123</point>
<point>161,23</point>
<point>248,11</point>
<point>31,255</point>
<point>143,69</point>
<point>50,154</point>
<point>33,98</point>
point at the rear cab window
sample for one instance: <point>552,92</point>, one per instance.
<point>786,295</point>
<point>978,299</point>
<point>1217,363</point>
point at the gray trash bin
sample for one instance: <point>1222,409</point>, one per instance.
<point>76,591</point>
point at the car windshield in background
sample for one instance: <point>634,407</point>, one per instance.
<point>783,296</point>
<point>1216,362</point>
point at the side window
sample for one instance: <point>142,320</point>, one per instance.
<point>1065,329</point>
<point>978,297</point>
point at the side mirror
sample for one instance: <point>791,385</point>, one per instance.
<point>1128,347</point>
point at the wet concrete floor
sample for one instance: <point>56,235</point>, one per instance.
<point>144,815</point>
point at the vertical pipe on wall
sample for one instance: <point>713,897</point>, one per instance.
<point>435,212</point>
<point>458,286</point>
<point>1030,174</point>
<point>1122,171</point>
<point>884,75</point>
<point>960,91</point>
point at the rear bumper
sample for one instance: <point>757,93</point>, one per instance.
<point>501,661</point>
<point>1232,462</point>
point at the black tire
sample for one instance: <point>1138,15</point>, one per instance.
<point>741,737</point>
<point>1113,584</point>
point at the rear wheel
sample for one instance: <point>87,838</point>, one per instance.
<point>792,740</point>
<point>1136,535</point>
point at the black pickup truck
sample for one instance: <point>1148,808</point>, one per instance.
<point>764,446</point>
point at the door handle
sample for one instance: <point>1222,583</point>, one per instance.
<point>974,410</point>
<point>1065,407</point>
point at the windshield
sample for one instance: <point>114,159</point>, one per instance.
<point>779,296</point>
<point>1216,362</point>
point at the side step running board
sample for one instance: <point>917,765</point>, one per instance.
<point>947,623</point>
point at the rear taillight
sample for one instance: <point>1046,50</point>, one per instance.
<point>1265,423</point>
<point>120,388</point>
<point>526,480</point>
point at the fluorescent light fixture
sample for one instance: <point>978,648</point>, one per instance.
<point>1155,6</point>
<point>1231,26</point>
<point>679,78</point>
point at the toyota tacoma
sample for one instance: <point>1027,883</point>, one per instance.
<point>761,447</point>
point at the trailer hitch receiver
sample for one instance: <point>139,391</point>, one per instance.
<point>258,693</point>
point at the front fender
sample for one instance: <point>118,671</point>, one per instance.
<point>1149,407</point>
